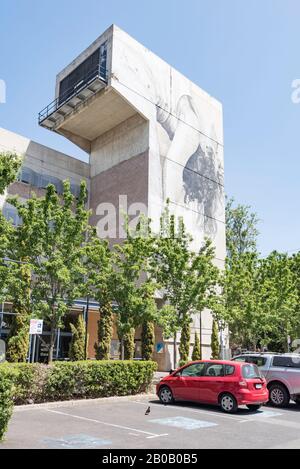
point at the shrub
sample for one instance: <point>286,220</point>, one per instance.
<point>77,380</point>
<point>6,404</point>
<point>105,325</point>
<point>215,345</point>
<point>77,345</point>
<point>184,346</point>
<point>197,349</point>
<point>148,339</point>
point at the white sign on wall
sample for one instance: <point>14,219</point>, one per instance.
<point>36,326</point>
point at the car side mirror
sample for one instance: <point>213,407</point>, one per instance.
<point>171,371</point>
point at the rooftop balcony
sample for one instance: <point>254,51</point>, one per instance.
<point>55,113</point>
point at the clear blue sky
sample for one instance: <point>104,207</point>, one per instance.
<point>245,53</point>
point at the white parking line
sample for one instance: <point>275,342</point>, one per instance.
<point>150,434</point>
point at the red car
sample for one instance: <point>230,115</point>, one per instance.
<point>224,383</point>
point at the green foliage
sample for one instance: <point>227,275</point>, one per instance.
<point>77,380</point>
<point>77,345</point>
<point>98,282</point>
<point>52,240</point>
<point>148,340</point>
<point>6,404</point>
<point>188,280</point>
<point>197,355</point>
<point>10,164</point>
<point>105,326</point>
<point>132,289</point>
<point>215,346</point>
<point>185,339</point>
<point>128,343</point>
<point>241,229</point>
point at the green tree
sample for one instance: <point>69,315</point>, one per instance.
<point>131,287</point>
<point>185,340</point>
<point>215,345</point>
<point>241,228</point>
<point>197,355</point>
<point>57,237</point>
<point>187,279</point>
<point>128,342</point>
<point>77,345</point>
<point>10,164</point>
<point>21,248</point>
<point>148,340</point>
<point>99,274</point>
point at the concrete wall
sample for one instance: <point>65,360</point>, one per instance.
<point>42,160</point>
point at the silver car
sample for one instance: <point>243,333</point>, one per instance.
<point>282,372</point>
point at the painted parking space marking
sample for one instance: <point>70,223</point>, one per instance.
<point>121,427</point>
<point>184,423</point>
<point>265,414</point>
<point>175,408</point>
<point>76,442</point>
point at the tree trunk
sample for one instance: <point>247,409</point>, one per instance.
<point>51,345</point>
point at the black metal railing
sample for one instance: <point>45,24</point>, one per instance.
<point>92,75</point>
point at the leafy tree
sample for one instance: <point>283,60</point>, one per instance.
<point>187,279</point>
<point>148,339</point>
<point>215,345</point>
<point>21,248</point>
<point>10,164</point>
<point>99,274</point>
<point>197,355</point>
<point>77,345</point>
<point>132,289</point>
<point>241,228</point>
<point>58,232</point>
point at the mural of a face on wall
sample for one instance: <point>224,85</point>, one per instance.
<point>201,178</point>
<point>191,169</point>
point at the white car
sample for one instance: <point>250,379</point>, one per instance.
<point>282,372</point>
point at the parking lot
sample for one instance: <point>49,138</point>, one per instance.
<point>122,423</point>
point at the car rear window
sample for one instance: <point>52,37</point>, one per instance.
<point>259,361</point>
<point>229,370</point>
<point>287,362</point>
<point>250,371</point>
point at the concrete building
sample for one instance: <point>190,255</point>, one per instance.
<point>151,135</point>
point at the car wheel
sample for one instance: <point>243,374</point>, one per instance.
<point>228,403</point>
<point>279,396</point>
<point>253,407</point>
<point>165,395</point>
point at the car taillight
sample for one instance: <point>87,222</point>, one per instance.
<point>243,384</point>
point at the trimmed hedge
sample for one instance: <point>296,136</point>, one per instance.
<point>35,383</point>
<point>6,404</point>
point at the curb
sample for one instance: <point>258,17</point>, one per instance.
<point>74,403</point>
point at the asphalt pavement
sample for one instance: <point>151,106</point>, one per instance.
<point>121,423</point>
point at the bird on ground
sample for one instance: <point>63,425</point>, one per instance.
<point>148,411</point>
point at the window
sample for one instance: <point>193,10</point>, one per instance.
<point>87,70</point>
<point>229,370</point>
<point>214,370</point>
<point>259,361</point>
<point>250,371</point>
<point>11,214</point>
<point>27,176</point>
<point>195,370</point>
<point>287,362</point>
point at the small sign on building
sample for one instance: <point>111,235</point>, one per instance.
<point>36,326</point>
